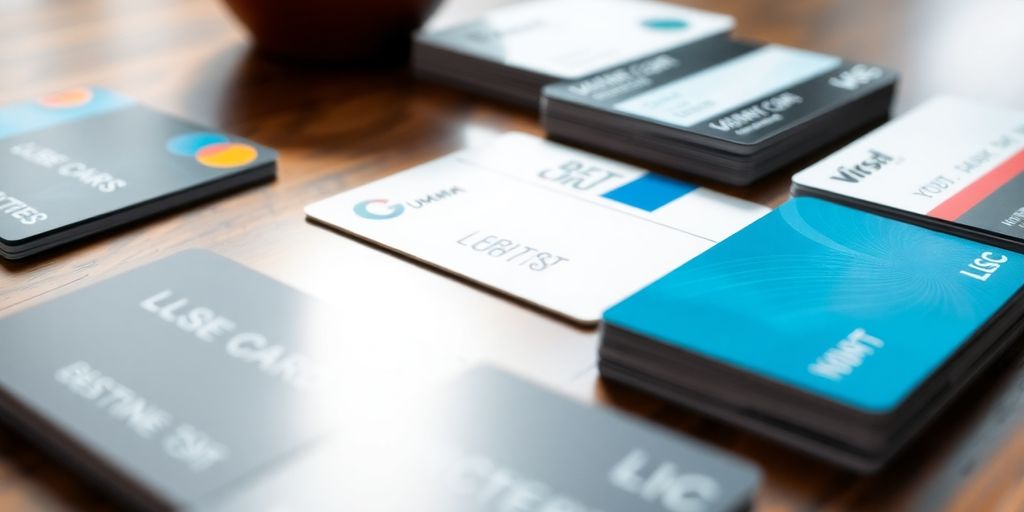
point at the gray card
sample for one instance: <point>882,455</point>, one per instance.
<point>87,153</point>
<point>174,380</point>
<point>492,442</point>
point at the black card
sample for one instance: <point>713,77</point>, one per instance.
<point>735,92</point>
<point>89,155</point>
<point>174,380</point>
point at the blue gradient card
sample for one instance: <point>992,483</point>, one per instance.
<point>847,305</point>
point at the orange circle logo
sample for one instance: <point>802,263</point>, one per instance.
<point>68,98</point>
<point>226,154</point>
<point>212,150</point>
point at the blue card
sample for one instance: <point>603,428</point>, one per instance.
<point>842,304</point>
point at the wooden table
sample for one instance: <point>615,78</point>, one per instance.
<point>337,129</point>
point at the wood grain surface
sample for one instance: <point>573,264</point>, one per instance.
<point>340,128</point>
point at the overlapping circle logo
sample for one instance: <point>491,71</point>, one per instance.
<point>212,149</point>
<point>378,209</point>
<point>67,98</point>
<point>665,23</point>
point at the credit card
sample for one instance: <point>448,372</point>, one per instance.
<point>735,92</point>
<point>492,442</point>
<point>850,306</point>
<point>565,230</point>
<point>950,160</point>
<point>86,159</point>
<point>175,380</point>
<point>567,39</point>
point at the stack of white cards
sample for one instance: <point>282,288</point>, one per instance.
<point>567,231</point>
<point>512,52</point>
<point>951,164</point>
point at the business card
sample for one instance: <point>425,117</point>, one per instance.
<point>175,380</point>
<point>836,302</point>
<point>951,160</point>
<point>567,39</point>
<point>493,442</point>
<point>565,230</point>
<point>737,92</point>
<point>89,154</point>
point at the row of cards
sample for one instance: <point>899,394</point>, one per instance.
<point>832,329</point>
<point>575,233</point>
<point>839,331</point>
<point>162,386</point>
<point>659,83</point>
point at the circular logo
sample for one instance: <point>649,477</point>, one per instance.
<point>68,98</point>
<point>665,23</point>
<point>378,209</point>
<point>225,155</point>
<point>212,149</point>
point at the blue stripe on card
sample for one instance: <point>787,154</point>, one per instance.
<point>650,192</point>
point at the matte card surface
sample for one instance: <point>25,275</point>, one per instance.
<point>736,92</point>
<point>847,305</point>
<point>494,443</point>
<point>174,380</point>
<point>560,228</point>
<point>567,39</point>
<point>949,160</point>
<point>90,155</point>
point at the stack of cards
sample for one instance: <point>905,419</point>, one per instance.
<point>951,164</point>
<point>729,111</point>
<point>513,51</point>
<point>834,330</point>
<point>87,160</point>
<point>161,385</point>
<point>564,230</point>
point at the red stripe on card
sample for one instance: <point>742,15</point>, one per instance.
<point>952,208</point>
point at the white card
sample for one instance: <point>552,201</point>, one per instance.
<point>950,160</point>
<point>569,39</point>
<point>565,230</point>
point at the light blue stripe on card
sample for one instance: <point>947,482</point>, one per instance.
<point>33,115</point>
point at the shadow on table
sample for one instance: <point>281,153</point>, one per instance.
<point>360,108</point>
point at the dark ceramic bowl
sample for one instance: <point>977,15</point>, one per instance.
<point>332,30</point>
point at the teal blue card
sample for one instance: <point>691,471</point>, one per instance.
<point>843,304</point>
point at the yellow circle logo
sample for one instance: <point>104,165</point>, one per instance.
<point>226,154</point>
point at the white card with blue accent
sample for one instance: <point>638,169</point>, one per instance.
<point>561,229</point>
<point>570,39</point>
